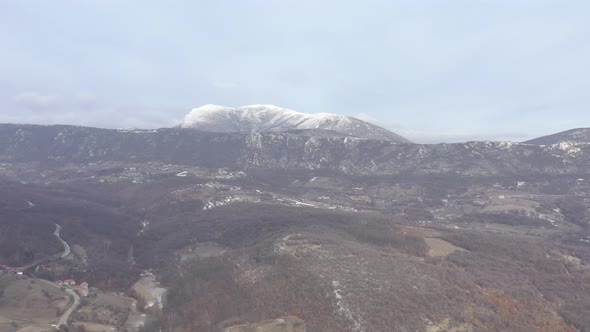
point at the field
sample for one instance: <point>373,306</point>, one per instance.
<point>439,248</point>
<point>283,324</point>
<point>29,305</point>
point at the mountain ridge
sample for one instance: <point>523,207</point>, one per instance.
<point>60,145</point>
<point>270,118</point>
<point>579,135</point>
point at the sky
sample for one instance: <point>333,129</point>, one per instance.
<point>432,71</point>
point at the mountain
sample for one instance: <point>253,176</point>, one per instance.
<point>573,135</point>
<point>270,118</point>
<point>61,145</point>
<point>323,231</point>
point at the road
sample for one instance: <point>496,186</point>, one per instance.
<point>63,320</point>
<point>66,246</point>
<point>63,255</point>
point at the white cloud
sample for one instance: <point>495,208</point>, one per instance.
<point>434,68</point>
<point>224,84</point>
<point>37,101</point>
<point>87,100</point>
<point>433,137</point>
<point>367,117</point>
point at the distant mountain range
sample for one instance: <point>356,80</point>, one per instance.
<point>270,137</point>
<point>307,149</point>
<point>579,135</point>
<point>270,118</point>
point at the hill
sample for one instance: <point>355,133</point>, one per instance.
<point>59,145</point>
<point>579,135</point>
<point>270,118</point>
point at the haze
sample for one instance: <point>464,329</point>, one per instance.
<point>431,71</point>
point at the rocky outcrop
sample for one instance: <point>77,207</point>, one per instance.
<point>58,145</point>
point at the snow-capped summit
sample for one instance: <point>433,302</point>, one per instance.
<point>264,118</point>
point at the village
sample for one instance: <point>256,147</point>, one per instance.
<point>98,311</point>
<point>82,288</point>
<point>10,270</point>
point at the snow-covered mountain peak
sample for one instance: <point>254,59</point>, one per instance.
<point>264,118</point>
<point>210,108</point>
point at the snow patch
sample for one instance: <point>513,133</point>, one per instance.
<point>265,118</point>
<point>571,149</point>
<point>343,308</point>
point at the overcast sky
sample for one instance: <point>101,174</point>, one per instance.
<point>429,70</point>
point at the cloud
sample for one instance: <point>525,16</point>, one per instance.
<point>367,117</point>
<point>112,116</point>
<point>224,84</point>
<point>37,101</point>
<point>433,137</point>
<point>87,100</point>
<point>442,70</point>
<point>140,116</point>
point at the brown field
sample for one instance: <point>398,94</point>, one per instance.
<point>34,328</point>
<point>29,305</point>
<point>440,248</point>
<point>148,289</point>
<point>445,326</point>
<point>284,324</point>
<point>95,327</point>
<point>106,311</point>
<point>419,231</point>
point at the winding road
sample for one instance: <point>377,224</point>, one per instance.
<point>66,246</point>
<point>63,320</point>
<point>62,255</point>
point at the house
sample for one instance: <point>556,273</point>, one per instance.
<point>11,270</point>
<point>82,289</point>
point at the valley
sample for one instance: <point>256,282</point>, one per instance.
<point>337,252</point>
<point>116,239</point>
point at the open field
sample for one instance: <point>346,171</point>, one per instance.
<point>283,324</point>
<point>108,310</point>
<point>440,248</point>
<point>94,327</point>
<point>26,303</point>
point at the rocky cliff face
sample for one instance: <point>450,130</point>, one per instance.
<point>58,145</point>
